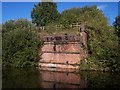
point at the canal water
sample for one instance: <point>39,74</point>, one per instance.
<point>39,78</point>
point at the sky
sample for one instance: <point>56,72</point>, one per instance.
<point>16,10</point>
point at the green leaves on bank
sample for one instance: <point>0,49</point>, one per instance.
<point>20,46</point>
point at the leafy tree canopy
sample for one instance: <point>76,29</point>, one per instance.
<point>117,26</point>
<point>44,12</point>
<point>102,42</point>
<point>17,24</point>
<point>91,15</point>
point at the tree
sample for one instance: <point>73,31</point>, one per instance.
<point>102,42</point>
<point>70,16</point>
<point>17,24</point>
<point>116,25</point>
<point>116,62</point>
<point>8,26</point>
<point>91,15</point>
<point>44,12</point>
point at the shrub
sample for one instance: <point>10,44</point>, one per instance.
<point>17,24</point>
<point>20,48</point>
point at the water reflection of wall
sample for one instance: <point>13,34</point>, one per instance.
<point>35,78</point>
<point>52,79</point>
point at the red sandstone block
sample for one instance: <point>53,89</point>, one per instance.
<point>57,66</point>
<point>60,58</point>
<point>70,47</point>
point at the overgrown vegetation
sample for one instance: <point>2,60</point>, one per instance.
<point>116,25</point>
<point>102,48</point>
<point>20,44</point>
<point>102,41</point>
<point>17,24</point>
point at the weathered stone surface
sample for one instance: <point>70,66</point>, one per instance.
<point>65,37</point>
<point>71,47</point>
<point>84,38</point>
<point>58,50</point>
<point>50,65</point>
<point>65,70</point>
<point>60,58</point>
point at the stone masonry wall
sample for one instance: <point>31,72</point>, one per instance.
<point>63,55</point>
<point>70,47</point>
<point>67,54</point>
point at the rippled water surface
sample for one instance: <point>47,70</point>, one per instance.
<point>36,78</point>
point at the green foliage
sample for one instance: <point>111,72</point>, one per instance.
<point>0,25</point>
<point>102,42</point>
<point>93,64</point>
<point>117,26</point>
<point>17,24</point>
<point>102,46</point>
<point>101,79</point>
<point>115,64</point>
<point>44,12</point>
<point>9,25</point>
<point>51,29</point>
<point>20,45</point>
<point>91,15</point>
<point>70,16</point>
